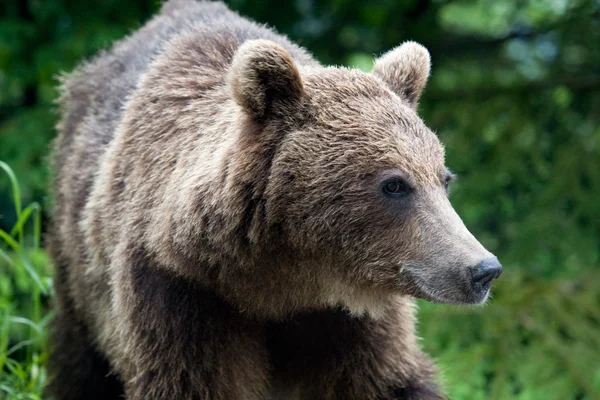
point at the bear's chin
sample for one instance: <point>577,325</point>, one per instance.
<point>467,298</point>
<point>456,294</point>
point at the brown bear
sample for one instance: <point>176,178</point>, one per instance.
<point>234,220</point>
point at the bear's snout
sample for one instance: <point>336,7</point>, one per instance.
<point>484,273</point>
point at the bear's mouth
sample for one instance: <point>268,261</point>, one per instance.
<point>448,288</point>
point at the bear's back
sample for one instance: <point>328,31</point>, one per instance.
<point>93,98</point>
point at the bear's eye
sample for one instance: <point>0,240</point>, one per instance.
<point>396,187</point>
<point>447,182</point>
<point>449,178</point>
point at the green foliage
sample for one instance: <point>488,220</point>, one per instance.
<point>25,285</point>
<point>538,339</point>
<point>514,95</point>
<point>39,40</point>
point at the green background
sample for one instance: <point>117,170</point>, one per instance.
<point>515,97</point>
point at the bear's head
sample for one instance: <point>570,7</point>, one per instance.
<point>356,186</point>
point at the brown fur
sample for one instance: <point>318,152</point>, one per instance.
<point>220,229</point>
<point>406,69</point>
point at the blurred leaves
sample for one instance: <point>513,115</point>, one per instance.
<point>538,339</point>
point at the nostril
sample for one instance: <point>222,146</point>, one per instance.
<point>486,271</point>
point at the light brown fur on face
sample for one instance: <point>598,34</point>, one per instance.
<point>221,228</point>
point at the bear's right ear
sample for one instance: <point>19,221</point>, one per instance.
<point>264,80</point>
<point>405,70</point>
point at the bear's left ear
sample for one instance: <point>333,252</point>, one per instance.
<point>405,70</point>
<point>264,80</point>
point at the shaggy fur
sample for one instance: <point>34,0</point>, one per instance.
<point>220,229</point>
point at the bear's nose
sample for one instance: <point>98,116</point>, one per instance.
<point>486,271</point>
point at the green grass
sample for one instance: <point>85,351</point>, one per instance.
<point>537,339</point>
<point>25,287</point>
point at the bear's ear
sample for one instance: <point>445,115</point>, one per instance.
<point>264,79</point>
<point>405,70</point>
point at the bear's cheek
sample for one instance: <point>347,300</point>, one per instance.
<point>384,246</point>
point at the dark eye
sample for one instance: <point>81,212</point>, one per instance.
<point>447,182</point>
<point>396,187</point>
<point>449,178</point>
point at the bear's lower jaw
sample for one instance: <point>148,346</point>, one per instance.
<point>471,298</point>
<point>479,298</point>
<point>457,292</point>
